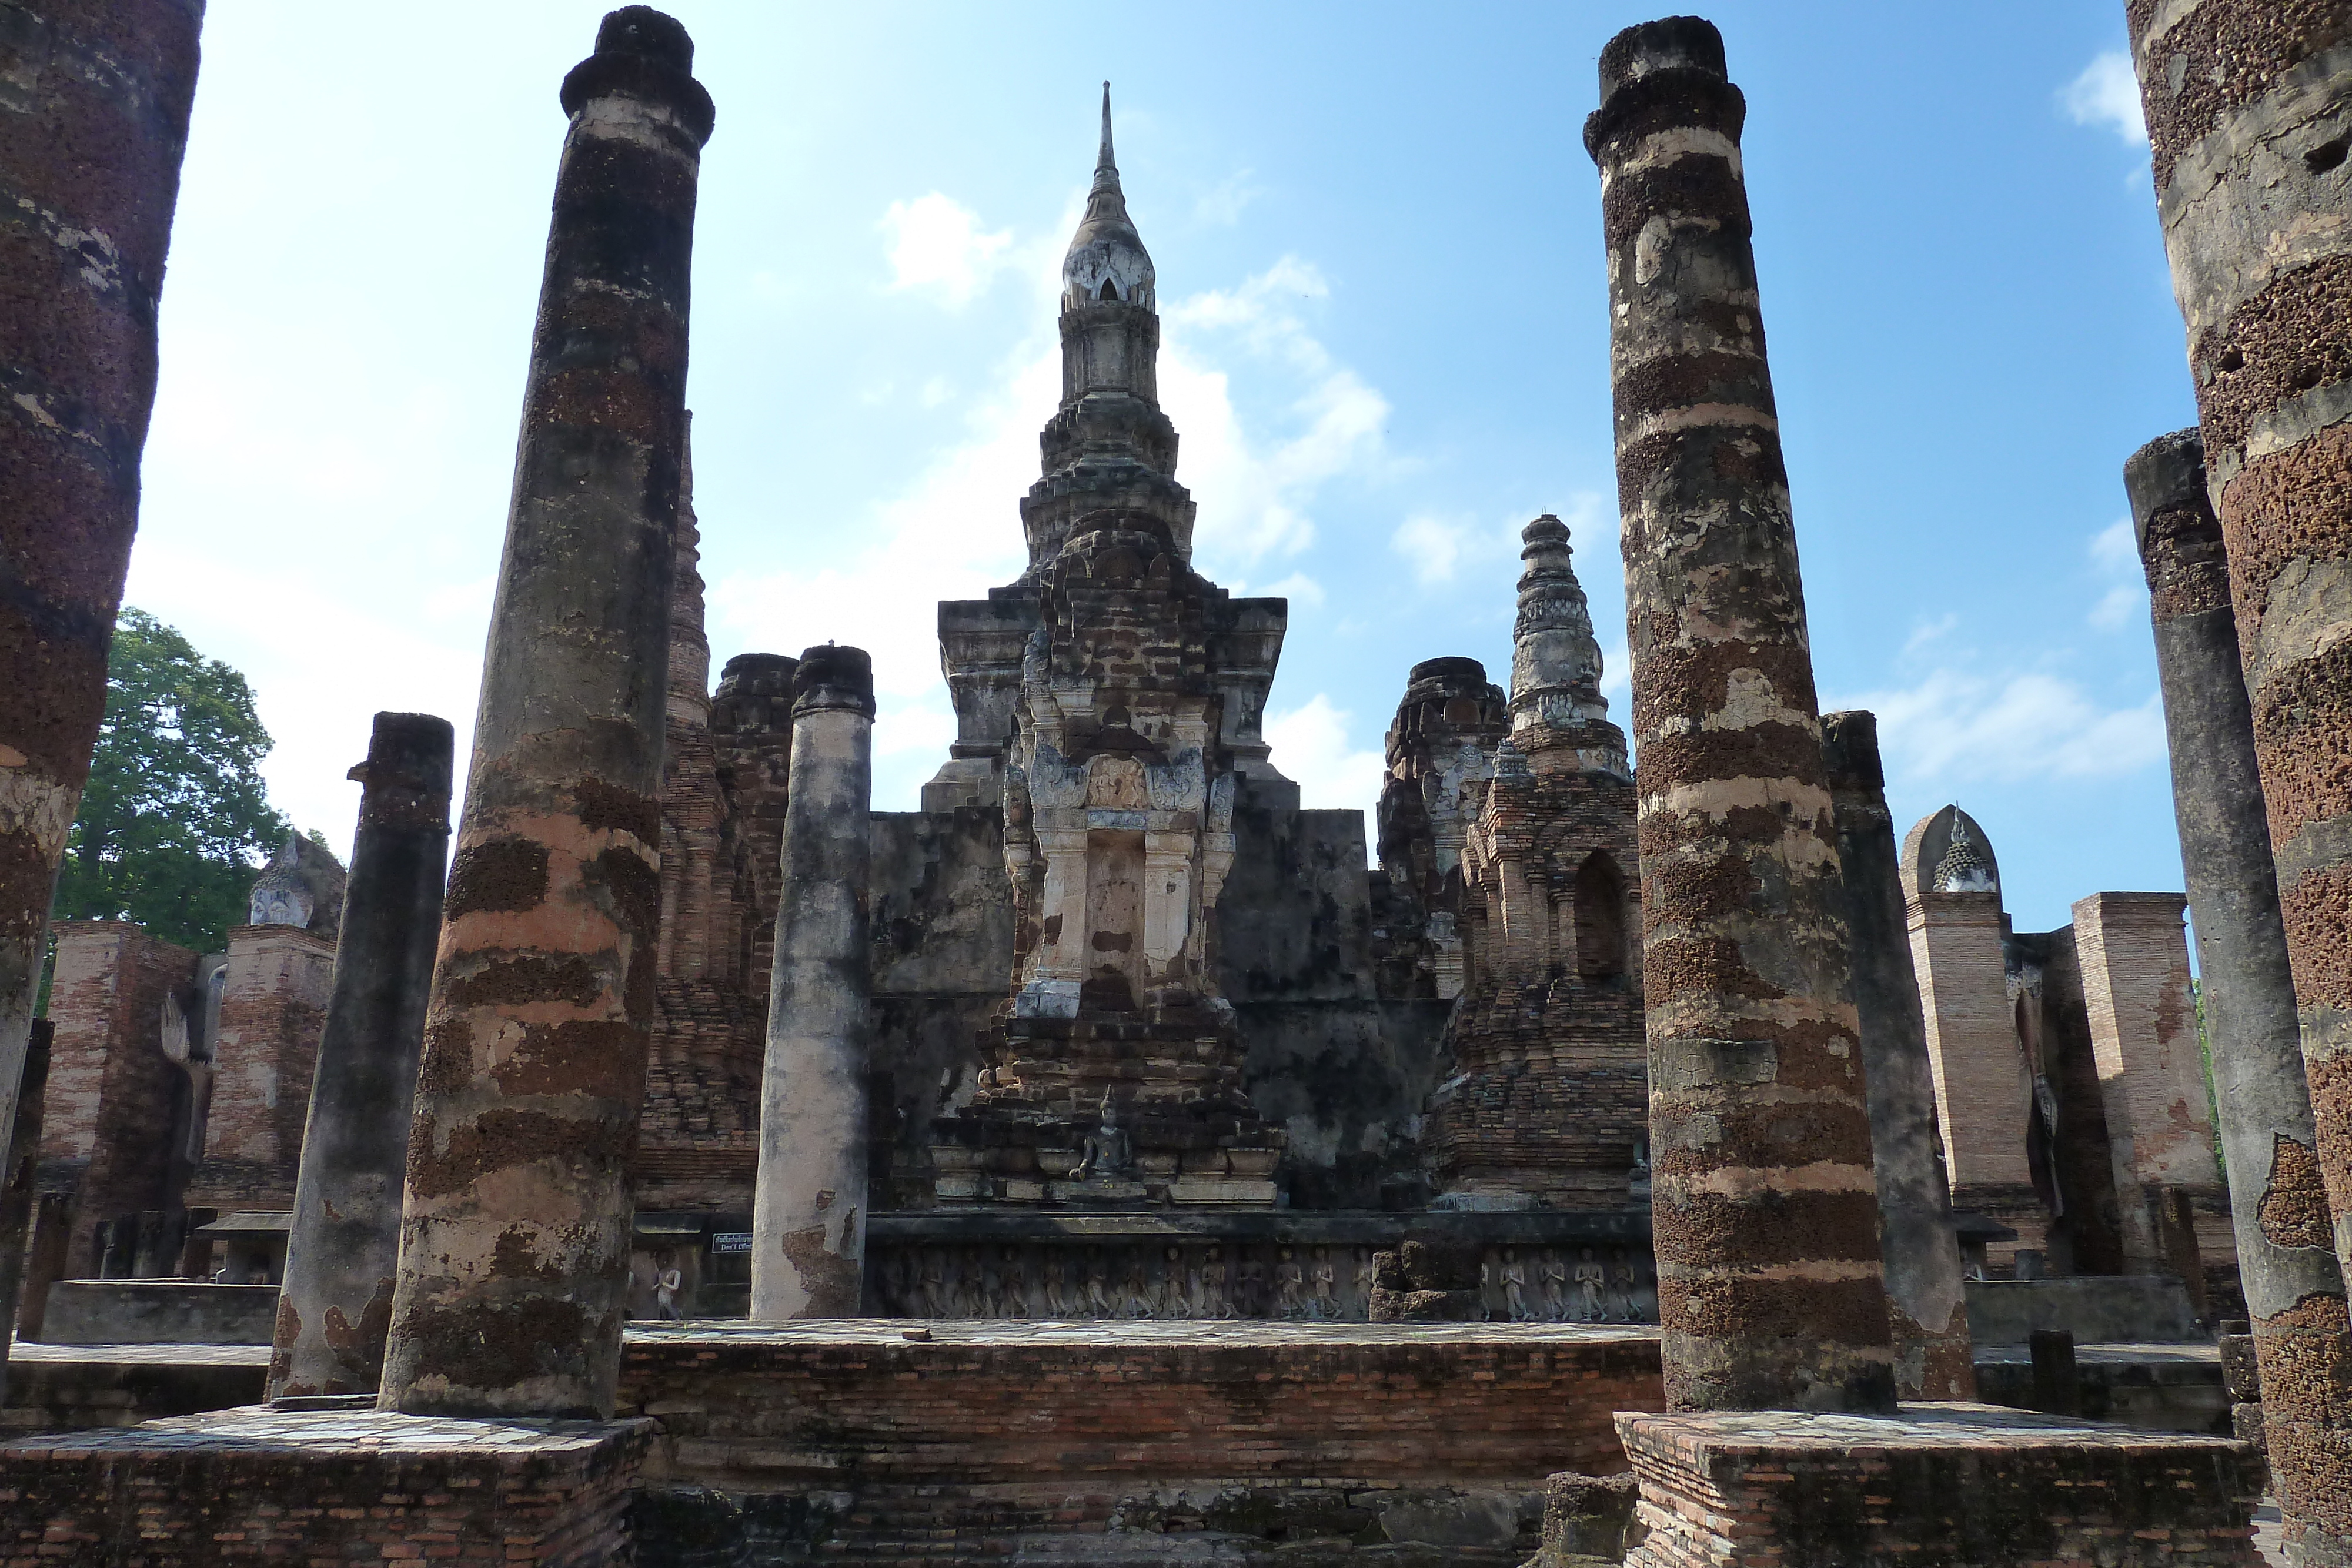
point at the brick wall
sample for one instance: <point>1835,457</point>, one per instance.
<point>108,1133</point>
<point>273,1009</point>
<point>259,1488</point>
<point>984,1404</point>
<point>848,1443</point>
<point>2143,1023</point>
<point>1957,1484</point>
<point>1981,1091</point>
<point>723,793</point>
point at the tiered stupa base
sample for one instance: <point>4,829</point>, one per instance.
<point>1172,1080</point>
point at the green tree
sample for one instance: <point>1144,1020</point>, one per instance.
<point>176,819</point>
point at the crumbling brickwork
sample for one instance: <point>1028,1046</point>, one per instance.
<point>937,1441</point>
<point>258,1488</point>
<point>1549,1084</point>
<point>118,1106</point>
<point>726,762</point>
<point>273,1009</point>
<point>1945,1483</point>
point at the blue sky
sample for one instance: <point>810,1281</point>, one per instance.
<point>1377,241</point>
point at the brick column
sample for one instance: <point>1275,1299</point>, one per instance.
<point>514,1263</point>
<point>2249,108</point>
<point>345,1244</point>
<point>91,130</point>
<point>2151,1079</point>
<point>808,1223</point>
<point>1766,1211</point>
<point>1925,1296</point>
<point>2286,1257</point>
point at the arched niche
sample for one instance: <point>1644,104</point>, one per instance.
<point>1602,947</point>
<point>1929,844</point>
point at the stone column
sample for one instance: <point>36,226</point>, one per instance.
<point>1924,1297</point>
<point>343,1249</point>
<point>514,1259</point>
<point>2286,1258</point>
<point>91,129</point>
<point>2249,106</point>
<point>808,1222</point>
<point>1770,1292</point>
<point>18,1200</point>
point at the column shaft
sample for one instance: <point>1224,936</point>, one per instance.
<point>1765,1209</point>
<point>344,1250</point>
<point>18,1196</point>
<point>2278,1203</point>
<point>91,130</point>
<point>808,1225</point>
<point>514,1264</point>
<point>2249,108</point>
<point>1926,1299</point>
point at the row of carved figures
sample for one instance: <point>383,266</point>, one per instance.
<point>1175,1281</point>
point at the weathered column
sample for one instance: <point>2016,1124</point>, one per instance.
<point>2249,106</point>
<point>2286,1259</point>
<point>18,1199</point>
<point>808,1222</point>
<point>344,1250</point>
<point>514,1262</point>
<point>1926,1301</point>
<point>91,129</point>
<point>1769,1288</point>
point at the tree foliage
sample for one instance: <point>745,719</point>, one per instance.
<point>176,817</point>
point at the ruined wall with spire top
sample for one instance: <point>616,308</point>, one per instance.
<point>726,758</point>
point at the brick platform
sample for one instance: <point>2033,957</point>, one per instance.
<point>1315,1443</point>
<point>257,1486</point>
<point>63,1388</point>
<point>1961,1486</point>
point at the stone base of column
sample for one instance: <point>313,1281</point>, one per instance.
<point>1967,1486</point>
<point>265,1486</point>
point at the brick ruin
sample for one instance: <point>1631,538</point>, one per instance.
<point>180,1085</point>
<point>2069,1085</point>
<point>1308,1058</point>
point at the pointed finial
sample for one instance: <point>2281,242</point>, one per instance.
<point>1104,162</point>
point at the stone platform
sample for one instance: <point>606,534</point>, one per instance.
<point>258,1487</point>
<point>1125,1442</point>
<point>2154,1387</point>
<point>158,1311</point>
<point>1111,1441</point>
<point>1961,1486</point>
<point>71,1387</point>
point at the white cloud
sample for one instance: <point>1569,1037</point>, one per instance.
<point>1221,207</point>
<point>937,244</point>
<point>1433,546</point>
<point>1956,727</point>
<point>2107,94</point>
<point>1254,496</point>
<point>2115,556</point>
<point>953,532</point>
<point>1311,744</point>
<point>1298,587</point>
<point>1927,631</point>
